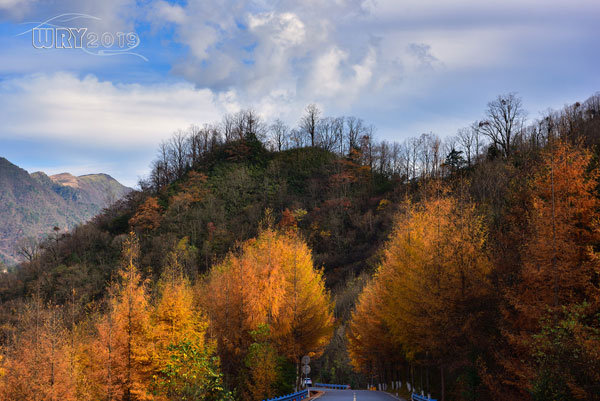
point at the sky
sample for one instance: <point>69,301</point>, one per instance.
<point>405,66</point>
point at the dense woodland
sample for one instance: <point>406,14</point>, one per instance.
<point>466,266</point>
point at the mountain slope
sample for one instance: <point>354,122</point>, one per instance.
<point>31,205</point>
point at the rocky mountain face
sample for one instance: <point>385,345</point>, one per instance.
<point>31,205</point>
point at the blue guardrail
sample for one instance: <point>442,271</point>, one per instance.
<point>300,395</point>
<point>333,386</point>
<point>418,397</point>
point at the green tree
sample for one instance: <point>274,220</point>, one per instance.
<point>191,372</point>
<point>262,361</point>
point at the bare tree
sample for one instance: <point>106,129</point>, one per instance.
<point>478,139</point>
<point>338,132</point>
<point>178,152</point>
<point>239,125</point>
<point>450,143</point>
<point>405,159</point>
<point>247,124</point>
<point>296,138</point>
<point>228,127</point>
<point>504,119</point>
<point>328,131</point>
<point>435,145</point>
<point>466,138</point>
<point>366,150</point>
<point>309,122</point>
<point>385,158</point>
<point>396,161</point>
<point>414,146</point>
<point>355,129</point>
<point>201,140</point>
<point>28,248</point>
<point>162,172</point>
<point>195,143</point>
<point>279,135</point>
<point>254,125</point>
<point>425,154</point>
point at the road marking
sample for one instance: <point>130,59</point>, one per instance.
<point>354,392</point>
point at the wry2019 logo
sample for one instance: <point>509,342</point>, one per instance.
<point>55,33</point>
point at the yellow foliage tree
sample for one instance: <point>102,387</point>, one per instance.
<point>272,281</point>
<point>222,296</point>
<point>435,269</point>
<point>184,363</point>
<point>37,366</point>
<point>177,321</point>
<point>304,322</point>
<point>431,287</point>
<point>558,259</point>
<point>176,317</point>
<point>370,344</point>
<point>121,354</point>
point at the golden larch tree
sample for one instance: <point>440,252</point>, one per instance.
<point>37,365</point>
<point>559,276</point>
<point>271,281</point>
<point>304,323</point>
<point>433,282</point>
<point>370,344</point>
<point>122,351</point>
<point>179,328</point>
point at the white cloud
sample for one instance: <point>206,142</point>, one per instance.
<point>285,30</point>
<point>111,15</point>
<point>15,8</point>
<point>274,50</point>
<point>10,4</point>
<point>350,56</point>
<point>169,12</point>
<point>332,51</point>
<point>100,113</point>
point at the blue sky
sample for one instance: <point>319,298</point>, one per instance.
<point>406,67</point>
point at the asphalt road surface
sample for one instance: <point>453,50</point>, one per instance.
<point>354,395</point>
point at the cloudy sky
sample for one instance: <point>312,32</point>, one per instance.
<point>406,66</point>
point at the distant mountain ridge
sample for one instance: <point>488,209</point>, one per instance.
<point>31,205</point>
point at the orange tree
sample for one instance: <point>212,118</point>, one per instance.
<point>120,356</point>
<point>558,296</point>
<point>184,363</point>
<point>370,345</point>
<point>432,287</point>
<point>270,281</point>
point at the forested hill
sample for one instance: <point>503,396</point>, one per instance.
<point>456,229</point>
<point>34,204</point>
<point>342,209</point>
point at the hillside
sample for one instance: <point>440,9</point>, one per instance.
<point>224,200</point>
<point>423,262</point>
<point>33,204</point>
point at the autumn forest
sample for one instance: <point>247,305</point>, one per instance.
<point>467,266</point>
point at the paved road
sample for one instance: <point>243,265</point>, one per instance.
<point>354,395</point>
